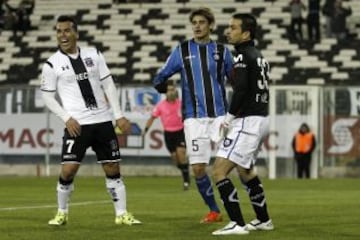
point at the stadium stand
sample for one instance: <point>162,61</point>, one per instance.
<point>137,36</point>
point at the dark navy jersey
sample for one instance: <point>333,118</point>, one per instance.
<point>250,79</point>
<point>203,69</point>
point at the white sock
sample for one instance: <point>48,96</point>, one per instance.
<point>116,189</point>
<point>63,196</point>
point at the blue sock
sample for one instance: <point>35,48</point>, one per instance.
<point>207,193</point>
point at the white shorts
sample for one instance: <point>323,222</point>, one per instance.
<point>199,133</point>
<point>243,141</point>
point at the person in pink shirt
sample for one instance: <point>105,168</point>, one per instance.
<point>169,111</point>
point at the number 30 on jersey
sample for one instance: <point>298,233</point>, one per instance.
<point>264,73</point>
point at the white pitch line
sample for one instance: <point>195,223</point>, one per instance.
<point>54,206</point>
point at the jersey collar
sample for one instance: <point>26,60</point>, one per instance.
<point>67,53</point>
<point>193,40</point>
<point>239,46</point>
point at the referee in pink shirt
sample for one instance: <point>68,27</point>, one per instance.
<point>169,111</point>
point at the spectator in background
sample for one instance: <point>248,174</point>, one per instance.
<point>29,5</point>
<point>338,20</point>
<point>2,14</point>
<point>313,20</point>
<point>296,8</point>
<point>169,111</point>
<point>24,11</point>
<point>303,145</point>
<point>23,20</point>
<point>327,10</point>
<point>10,17</point>
<point>18,19</point>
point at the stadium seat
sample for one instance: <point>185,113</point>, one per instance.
<point>136,38</point>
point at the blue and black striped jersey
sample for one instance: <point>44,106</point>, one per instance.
<point>204,69</point>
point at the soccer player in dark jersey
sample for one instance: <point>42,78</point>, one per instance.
<point>90,102</point>
<point>244,127</point>
<point>203,65</point>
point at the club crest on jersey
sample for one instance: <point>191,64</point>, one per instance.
<point>216,55</point>
<point>89,62</point>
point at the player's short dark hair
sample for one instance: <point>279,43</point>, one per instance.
<point>205,12</point>
<point>248,23</point>
<point>67,18</point>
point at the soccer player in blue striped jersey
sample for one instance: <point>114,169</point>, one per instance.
<point>204,66</point>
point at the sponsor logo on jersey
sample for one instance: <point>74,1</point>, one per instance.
<point>81,76</point>
<point>240,65</point>
<point>238,58</point>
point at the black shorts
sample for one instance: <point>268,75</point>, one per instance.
<point>100,137</point>
<point>174,140</point>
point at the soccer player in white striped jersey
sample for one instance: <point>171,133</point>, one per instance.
<point>90,102</point>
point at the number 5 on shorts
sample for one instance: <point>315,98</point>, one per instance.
<point>195,145</point>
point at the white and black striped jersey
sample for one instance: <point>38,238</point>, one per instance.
<point>78,82</point>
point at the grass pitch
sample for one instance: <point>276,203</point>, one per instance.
<point>300,209</point>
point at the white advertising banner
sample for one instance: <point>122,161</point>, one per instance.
<point>24,134</point>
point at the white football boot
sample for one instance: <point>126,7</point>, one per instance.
<point>257,225</point>
<point>232,228</point>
